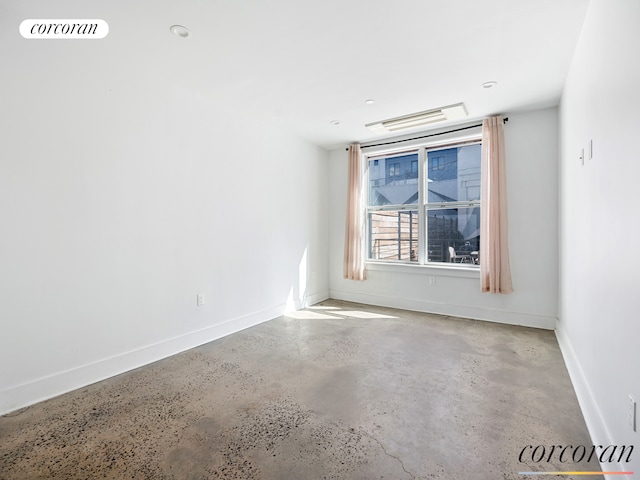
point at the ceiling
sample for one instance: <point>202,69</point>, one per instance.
<point>307,64</point>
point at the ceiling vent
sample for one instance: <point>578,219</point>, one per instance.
<point>443,114</point>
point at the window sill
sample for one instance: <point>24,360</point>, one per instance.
<point>441,270</point>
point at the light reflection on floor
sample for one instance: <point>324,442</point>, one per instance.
<point>314,313</point>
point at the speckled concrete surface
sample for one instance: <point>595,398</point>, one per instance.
<point>338,391</point>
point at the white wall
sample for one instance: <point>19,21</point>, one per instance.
<point>121,198</point>
<point>532,153</point>
<point>599,326</point>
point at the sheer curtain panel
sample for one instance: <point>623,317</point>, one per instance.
<point>354,249</point>
<point>495,271</point>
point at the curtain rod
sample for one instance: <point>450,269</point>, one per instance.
<point>506,119</point>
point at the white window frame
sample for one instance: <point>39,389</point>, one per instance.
<point>422,149</point>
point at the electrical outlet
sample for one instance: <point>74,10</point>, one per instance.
<point>200,299</point>
<point>632,413</point>
<point>432,281</point>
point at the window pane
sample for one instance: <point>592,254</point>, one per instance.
<point>393,180</point>
<point>453,235</point>
<point>454,174</point>
<point>393,235</point>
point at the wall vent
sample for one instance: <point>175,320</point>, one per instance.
<point>443,114</point>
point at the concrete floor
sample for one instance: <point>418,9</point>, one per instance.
<point>337,391</point>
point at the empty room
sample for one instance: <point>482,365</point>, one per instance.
<point>319,240</point>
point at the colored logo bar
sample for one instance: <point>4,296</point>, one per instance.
<point>575,473</point>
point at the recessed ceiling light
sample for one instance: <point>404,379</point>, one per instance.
<point>180,31</point>
<point>335,122</point>
<point>490,84</point>
<point>369,101</point>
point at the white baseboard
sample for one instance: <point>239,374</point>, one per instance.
<point>307,300</point>
<point>596,425</point>
<point>475,313</point>
<point>316,298</point>
<point>592,416</point>
<point>28,393</point>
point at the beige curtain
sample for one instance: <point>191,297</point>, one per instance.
<point>495,271</point>
<point>354,255</point>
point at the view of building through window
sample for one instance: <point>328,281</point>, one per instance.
<point>447,195</point>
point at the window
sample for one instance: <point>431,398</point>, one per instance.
<point>424,207</point>
<point>394,169</point>
<point>436,163</point>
